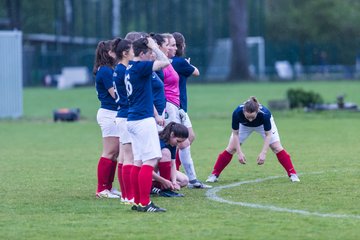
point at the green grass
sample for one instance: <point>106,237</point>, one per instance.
<point>48,172</point>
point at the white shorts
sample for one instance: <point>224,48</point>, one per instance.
<point>123,131</point>
<point>186,121</point>
<point>244,132</point>
<point>171,113</point>
<point>160,128</point>
<point>145,139</point>
<point>106,121</point>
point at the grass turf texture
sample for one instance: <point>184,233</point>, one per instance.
<point>48,172</point>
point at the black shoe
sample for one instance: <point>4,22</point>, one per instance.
<point>155,191</point>
<point>169,193</point>
<point>134,207</point>
<point>150,208</point>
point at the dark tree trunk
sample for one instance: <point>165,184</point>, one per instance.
<point>238,31</point>
<point>13,10</point>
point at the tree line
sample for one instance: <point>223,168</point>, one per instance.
<point>295,30</point>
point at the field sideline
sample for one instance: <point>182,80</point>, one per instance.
<point>48,172</point>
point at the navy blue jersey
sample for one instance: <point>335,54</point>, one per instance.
<point>185,70</point>
<point>158,93</point>
<point>138,77</point>
<point>120,90</point>
<point>172,149</point>
<point>160,74</point>
<point>262,118</point>
<point>103,82</point>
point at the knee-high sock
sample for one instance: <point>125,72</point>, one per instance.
<point>103,174</point>
<point>285,161</point>
<point>121,182</point>
<point>112,174</point>
<point>177,160</point>
<point>165,170</point>
<point>187,162</point>
<point>145,183</point>
<point>222,161</point>
<point>135,183</point>
<point>126,180</point>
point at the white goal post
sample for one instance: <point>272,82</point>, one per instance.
<point>219,65</point>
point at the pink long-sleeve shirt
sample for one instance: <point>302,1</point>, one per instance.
<point>171,85</point>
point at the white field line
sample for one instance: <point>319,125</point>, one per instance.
<point>212,194</point>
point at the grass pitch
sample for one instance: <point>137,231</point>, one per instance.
<point>48,172</point>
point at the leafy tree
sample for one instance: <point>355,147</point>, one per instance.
<point>327,23</point>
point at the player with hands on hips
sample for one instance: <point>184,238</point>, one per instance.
<point>248,117</point>
<point>140,120</point>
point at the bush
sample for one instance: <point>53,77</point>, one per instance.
<point>298,98</point>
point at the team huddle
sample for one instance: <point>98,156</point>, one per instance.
<point>146,130</point>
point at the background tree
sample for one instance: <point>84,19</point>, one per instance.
<point>13,12</point>
<point>322,25</point>
<point>238,31</point>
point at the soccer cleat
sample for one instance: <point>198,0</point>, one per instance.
<point>294,178</point>
<point>169,193</point>
<point>134,207</point>
<point>155,190</point>
<point>115,192</point>
<point>150,208</point>
<point>106,194</point>
<point>198,185</point>
<point>212,178</point>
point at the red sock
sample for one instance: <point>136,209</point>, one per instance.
<point>135,183</point>
<point>121,182</point>
<point>126,180</point>
<point>285,161</point>
<point>112,174</point>
<point>103,173</point>
<point>177,160</point>
<point>223,160</point>
<point>165,170</point>
<point>145,182</point>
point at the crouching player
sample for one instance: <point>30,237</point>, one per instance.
<point>248,117</point>
<point>169,178</point>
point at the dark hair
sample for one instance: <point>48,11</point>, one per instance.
<point>159,39</point>
<point>251,105</point>
<point>140,45</point>
<point>180,44</point>
<point>102,57</point>
<point>119,46</point>
<point>177,129</point>
<point>133,36</point>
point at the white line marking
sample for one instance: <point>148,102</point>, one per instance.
<point>212,194</point>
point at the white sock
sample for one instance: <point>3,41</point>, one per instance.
<point>187,162</point>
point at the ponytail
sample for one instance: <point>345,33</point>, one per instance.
<point>251,105</point>
<point>119,46</point>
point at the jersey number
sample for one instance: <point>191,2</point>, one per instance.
<point>117,97</point>
<point>129,88</point>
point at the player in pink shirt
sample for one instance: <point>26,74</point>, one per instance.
<point>173,113</point>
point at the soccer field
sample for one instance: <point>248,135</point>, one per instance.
<point>48,172</point>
